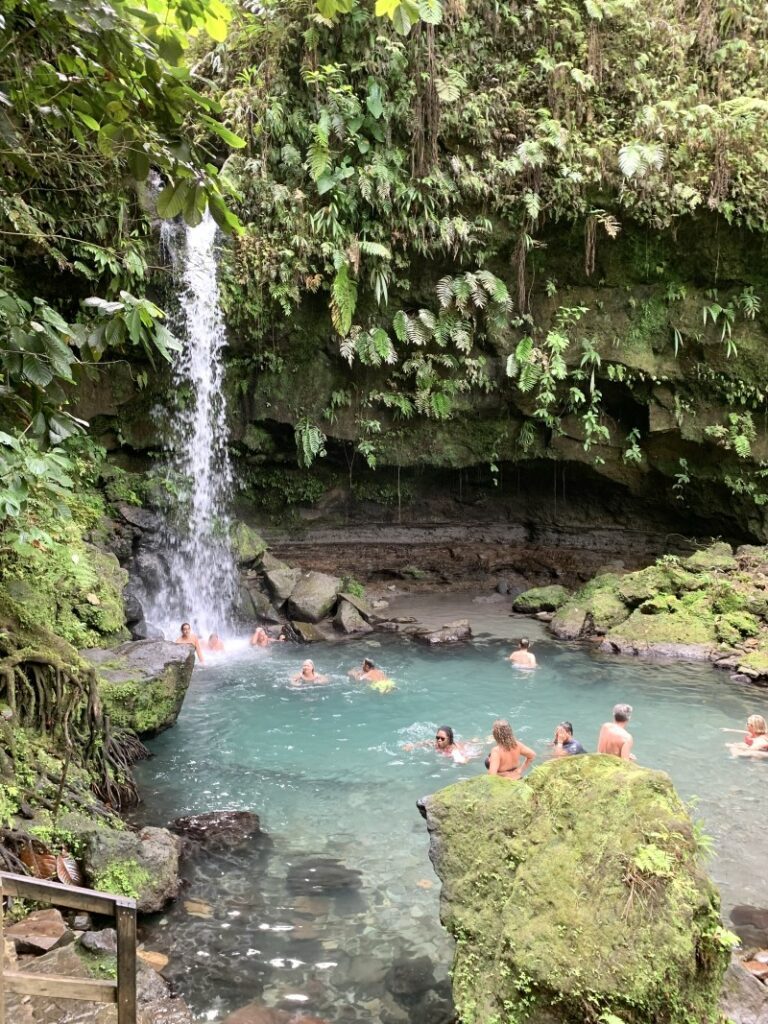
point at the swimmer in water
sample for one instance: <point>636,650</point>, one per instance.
<point>368,673</point>
<point>215,643</point>
<point>564,743</point>
<point>261,638</point>
<point>755,743</point>
<point>522,657</point>
<point>308,674</point>
<point>191,640</point>
<point>614,737</point>
<point>506,755</point>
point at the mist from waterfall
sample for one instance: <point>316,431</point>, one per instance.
<point>200,585</point>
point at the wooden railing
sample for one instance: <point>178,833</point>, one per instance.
<point>122,991</point>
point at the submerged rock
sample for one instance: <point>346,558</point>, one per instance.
<point>318,875</point>
<point>143,683</point>
<point>584,878</point>
<point>314,596</point>
<point>217,829</point>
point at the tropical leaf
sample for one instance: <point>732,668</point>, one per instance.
<point>67,870</point>
<point>39,859</point>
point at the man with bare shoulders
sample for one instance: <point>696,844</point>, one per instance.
<point>368,673</point>
<point>192,640</point>
<point>614,738</point>
<point>522,657</point>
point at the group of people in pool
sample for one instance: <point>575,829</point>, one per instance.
<point>510,757</point>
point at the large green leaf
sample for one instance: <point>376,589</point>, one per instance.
<point>171,200</point>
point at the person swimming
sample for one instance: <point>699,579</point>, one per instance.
<point>215,643</point>
<point>261,638</point>
<point>445,743</point>
<point>368,673</point>
<point>308,674</point>
<point>523,657</point>
<point>755,742</point>
<point>564,743</point>
<point>504,759</point>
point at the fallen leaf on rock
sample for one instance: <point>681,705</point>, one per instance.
<point>424,883</point>
<point>153,958</point>
<point>197,908</point>
<point>92,599</point>
<point>67,870</point>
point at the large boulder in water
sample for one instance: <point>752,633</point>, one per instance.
<point>579,887</point>
<point>143,682</point>
<point>314,596</point>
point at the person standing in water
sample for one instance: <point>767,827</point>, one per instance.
<point>564,742</point>
<point>368,673</point>
<point>614,737</point>
<point>215,643</point>
<point>506,755</point>
<point>191,640</point>
<point>523,657</point>
<point>261,638</point>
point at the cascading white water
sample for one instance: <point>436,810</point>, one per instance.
<point>201,582</point>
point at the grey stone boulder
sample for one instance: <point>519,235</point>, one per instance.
<point>349,620</point>
<point>143,630</point>
<point>102,941</point>
<point>307,632</point>
<point>314,596</point>
<point>247,546</point>
<point>451,633</point>
<point>269,563</point>
<point>744,999</point>
<point>40,932</point>
<point>143,683</point>
<point>142,518</point>
<point>281,583</point>
<point>143,865</point>
<point>360,603</point>
<point>254,605</point>
<point>150,568</point>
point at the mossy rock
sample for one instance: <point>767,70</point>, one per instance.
<point>143,683</point>
<point>596,607</point>
<point>667,619</point>
<point>717,556</point>
<point>665,577</point>
<point>541,599</point>
<point>755,664</point>
<point>580,886</point>
<point>247,545</point>
<point>733,627</point>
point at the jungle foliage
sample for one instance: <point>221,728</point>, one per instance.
<point>94,98</point>
<point>404,196</point>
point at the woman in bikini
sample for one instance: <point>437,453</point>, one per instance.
<point>507,754</point>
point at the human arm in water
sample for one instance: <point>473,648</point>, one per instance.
<point>198,651</point>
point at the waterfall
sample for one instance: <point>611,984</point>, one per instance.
<point>200,585</point>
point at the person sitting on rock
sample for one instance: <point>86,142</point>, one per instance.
<point>368,673</point>
<point>308,674</point>
<point>614,738</point>
<point>261,638</point>
<point>215,643</point>
<point>564,743</point>
<point>755,742</point>
<point>191,640</point>
<point>523,657</point>
<point>505,757</point>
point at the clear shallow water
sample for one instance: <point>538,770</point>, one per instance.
<point>325,769</point>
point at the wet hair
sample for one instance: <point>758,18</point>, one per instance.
<point>448,732</point>
<point>567,726</point>
<point>757,722</point>
<point>213,636</point>
<point>186,624</point>
<point>622,712</point>
<point>308,661</point>
<point>524,642</point>
<point>502,733</point>
<point>367,663</point>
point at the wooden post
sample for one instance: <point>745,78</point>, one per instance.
<point>125,921</point>
<point>2,957</point>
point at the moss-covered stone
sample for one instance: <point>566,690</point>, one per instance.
<point>247,544</point>
<point>596,607</point>
<point>576,894</point>
<point>143,683</point>
<point>541,599</point>
<point>716,556</point>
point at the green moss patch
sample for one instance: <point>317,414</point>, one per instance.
<point>541,599</point>
<point>575,894</point>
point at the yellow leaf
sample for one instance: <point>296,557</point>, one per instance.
<point>387,7</point>
<point>92,599</point>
